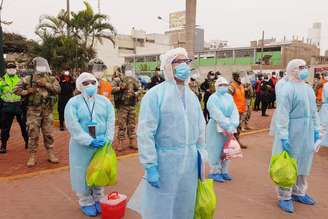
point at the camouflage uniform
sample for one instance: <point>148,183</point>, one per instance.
<point>40,103</point>
<point>249,93</point>
<point>194,86</point>
<point>126,91</point>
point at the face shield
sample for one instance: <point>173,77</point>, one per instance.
<point>41,65</point>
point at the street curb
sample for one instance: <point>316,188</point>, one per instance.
<point>43,172</point>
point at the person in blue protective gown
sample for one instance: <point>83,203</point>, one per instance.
<point>324,115</point>
<point>171,130</point>
<point>224,120</point>
<point>90,120</point>
<point>296,107</point>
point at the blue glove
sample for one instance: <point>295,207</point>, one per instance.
<point>316,136</point>
<point>153,176</point>
<point>98,142</point>
<point>285,144</point>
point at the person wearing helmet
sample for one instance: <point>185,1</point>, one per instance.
<point>224,119</point>
<point>41,89</point>
<point>237,90</point>
<point>11,106</point>
<point>127,89</point>
<point>296,130</point>
<point>194,86</point>
<point>171,132</point>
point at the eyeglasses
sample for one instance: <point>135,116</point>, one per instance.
<point>86,83</point>
<point>303,67</point>
<point>179,61</point>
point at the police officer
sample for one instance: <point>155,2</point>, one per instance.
<point>127,89</point>
<point>11,106</point>
<point>40,88</point>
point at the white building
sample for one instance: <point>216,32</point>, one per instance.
<point>137,43</point>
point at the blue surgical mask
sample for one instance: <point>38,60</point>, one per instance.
<point>182,72</point>
<point>222,90</point>
<point>303,74</point>
<point>90,90</point>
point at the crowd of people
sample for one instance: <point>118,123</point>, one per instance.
<point>173,132</point>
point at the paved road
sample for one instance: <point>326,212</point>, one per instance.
<point>250,195</point>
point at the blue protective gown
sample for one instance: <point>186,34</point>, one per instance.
<point>77,118</point>
<point>170,131</point>
<point>296,119</point>
<point>222,108</point>
<point>324,116</point>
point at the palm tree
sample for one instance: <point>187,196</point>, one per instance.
<point>89,27</point>
<point>54,25</point>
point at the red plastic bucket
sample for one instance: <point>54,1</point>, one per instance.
<point>113,206</point>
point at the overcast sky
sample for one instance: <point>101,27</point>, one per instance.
<point>238,21</point>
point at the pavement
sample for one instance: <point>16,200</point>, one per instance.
<point>251,194</point>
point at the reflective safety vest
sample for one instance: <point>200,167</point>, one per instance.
<point>105,89</point>
<point>239,97</point>
<point>7,86</point>
<point>320,91</point>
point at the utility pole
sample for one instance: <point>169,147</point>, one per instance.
<point>99,7</point>
<point>191,6</point>
<point>68,16</point>
<point>262,50</point>
<point>2,60</point>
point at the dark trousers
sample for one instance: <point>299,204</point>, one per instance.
<point>257,101</point>
<point>7,118</point>
<point>62,101</point>
<point>264,107</point>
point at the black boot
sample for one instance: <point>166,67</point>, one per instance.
<point>3,148</point>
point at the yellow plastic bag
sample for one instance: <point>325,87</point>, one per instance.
<point>283,170</point>
<point>205,200</point>
<point>102,169</point>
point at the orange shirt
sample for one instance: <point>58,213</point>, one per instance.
<point>105,89</point>
<point>320,90</point>
<point>239,97</point>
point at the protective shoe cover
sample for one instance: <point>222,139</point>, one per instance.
<point>89,211</point>
<point>98,208</point>
<point>306,199</point>
<point>226,176</point>
<point>286,205</point>
<point>216,177</point>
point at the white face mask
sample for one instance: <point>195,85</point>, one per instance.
<point>66,73</point>
<point>11,71</point>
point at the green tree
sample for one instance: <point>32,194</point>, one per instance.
<point>86,28</point>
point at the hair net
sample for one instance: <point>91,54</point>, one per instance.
<point>293,69</point>
<point>167,59</point>
<point>85,76</point>
<point>41,65</point>
<point>221,80</point>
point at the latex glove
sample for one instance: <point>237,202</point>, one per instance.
<point>224,123</point>
<point>285,145</point>
<point>153,176</point>
<point>316,136</point>
<point>98,142</point>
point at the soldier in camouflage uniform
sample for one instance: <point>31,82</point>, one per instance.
<point>195,87</point>
<point>40,89</point>
<point>126,90</point>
